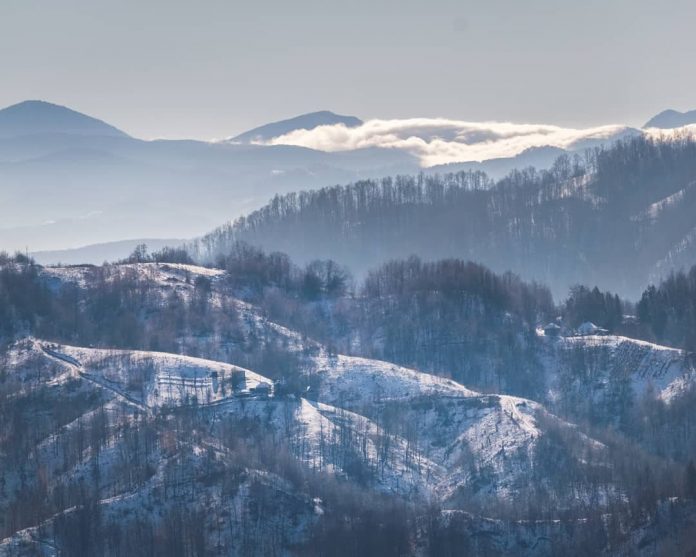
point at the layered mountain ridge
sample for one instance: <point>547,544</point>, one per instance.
<point>85,178</point>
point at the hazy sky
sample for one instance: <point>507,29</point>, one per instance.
<point>213,68</point>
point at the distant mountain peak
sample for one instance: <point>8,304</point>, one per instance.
<point>35,117</point>
<point>307,121</point>
<point>669,119</point>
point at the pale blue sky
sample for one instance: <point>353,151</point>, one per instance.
<point>213,68</point>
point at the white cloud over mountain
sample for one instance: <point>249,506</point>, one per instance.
<point>439,140</point>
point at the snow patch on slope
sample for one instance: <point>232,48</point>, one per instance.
<point>360,381</point>
<point>159,379</point>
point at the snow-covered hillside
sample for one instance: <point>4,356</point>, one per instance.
<point>588,366</point>
<point>597,373</point>
<point>423,436</point>
<point>443,438</point>
<point>262,413</point>
<point>485,444</point>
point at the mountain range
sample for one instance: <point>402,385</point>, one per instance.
<point>70,180</point>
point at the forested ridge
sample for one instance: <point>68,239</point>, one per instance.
<point>552,225</point>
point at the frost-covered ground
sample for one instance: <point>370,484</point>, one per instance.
<point>484,444</point>
<point>593,365</point>
<point>359,382</point>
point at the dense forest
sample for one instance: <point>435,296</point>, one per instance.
<point>551,226</point>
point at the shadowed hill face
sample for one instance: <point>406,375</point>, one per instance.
<point>303,122</point>
<point>669,119</point>
<point>39,117</point>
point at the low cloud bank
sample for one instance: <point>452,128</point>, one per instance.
<point>440,141</point>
